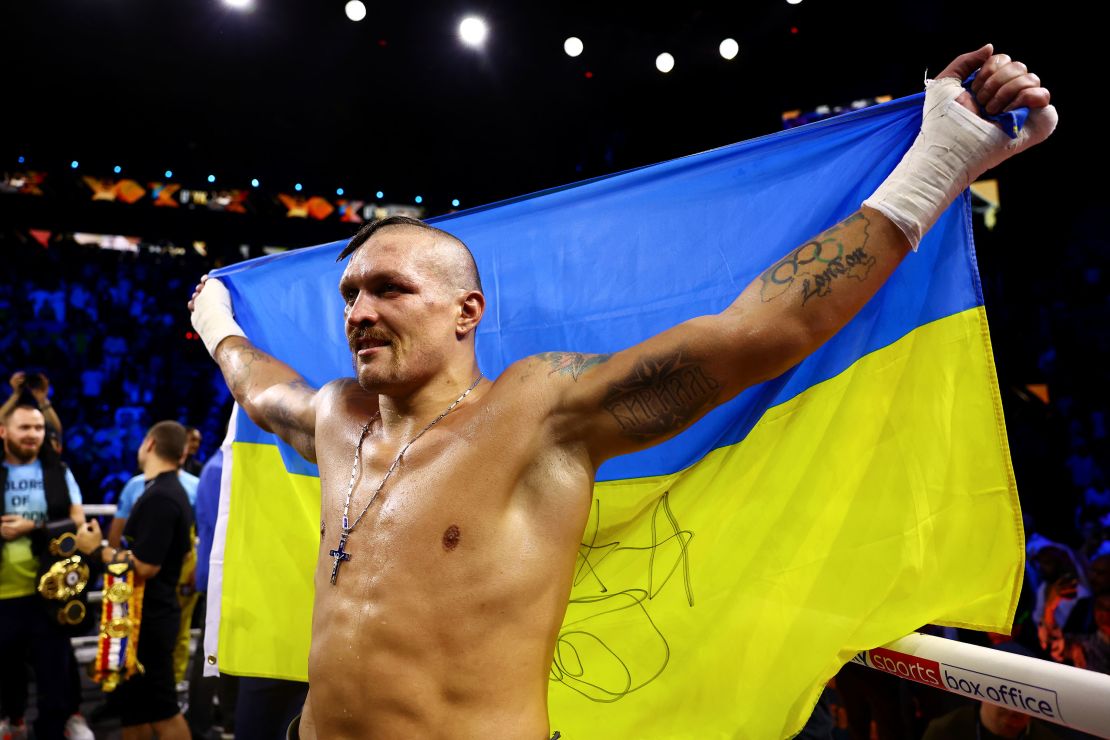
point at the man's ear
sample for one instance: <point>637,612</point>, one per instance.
<point>471,308</point>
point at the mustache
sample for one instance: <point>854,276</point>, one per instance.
<point>365,334</point>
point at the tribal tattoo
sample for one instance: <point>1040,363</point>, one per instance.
<point>661,395</point>
<point>571,363</point>
<point>819,262</point>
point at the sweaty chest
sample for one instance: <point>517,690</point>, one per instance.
<point>440,507</point>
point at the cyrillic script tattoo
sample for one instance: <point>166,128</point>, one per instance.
<point>819,262</point>
<point>661,395</point>
<point>571,363</point>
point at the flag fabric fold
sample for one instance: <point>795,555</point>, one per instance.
<point>726,574</point>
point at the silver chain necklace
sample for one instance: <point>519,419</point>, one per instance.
<point>339,553</point>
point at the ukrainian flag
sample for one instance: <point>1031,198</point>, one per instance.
<point>727,574</point>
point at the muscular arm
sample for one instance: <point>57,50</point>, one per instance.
<point>644,395</point>
<point>274,395</point>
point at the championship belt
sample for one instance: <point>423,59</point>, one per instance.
<point>64,576</point>
<point>120,615</point>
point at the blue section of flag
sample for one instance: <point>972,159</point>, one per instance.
<point>601,265</point>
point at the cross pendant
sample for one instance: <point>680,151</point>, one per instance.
<point>340,555</point>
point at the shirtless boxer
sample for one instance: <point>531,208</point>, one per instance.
<point>443,574</point>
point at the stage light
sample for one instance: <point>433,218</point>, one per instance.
<point>22,160</point>
<point>117,169</point>
<point>211,178</point>
<point>473,31</point>
<point>238,4</point>
<point>355,10</point>
<point>254,182</point>
<point>573,46</point>
<point>794,2</point>
<point>729,49</point>
<point>419,199</point>
<point>169,174</point>
<point>339,191</point>
<point>298,187</point>
<point>664,62</point>
<point>455,203</point>
<point>73,164</point>
<point>379,195</point>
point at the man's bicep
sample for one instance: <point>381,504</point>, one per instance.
<point>289,411</point>
<point>648,393</point>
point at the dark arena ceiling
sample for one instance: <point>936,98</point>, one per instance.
<point>294,92</point>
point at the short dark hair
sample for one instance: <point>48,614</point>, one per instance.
<point>368,230</point>
<point>169,440</point>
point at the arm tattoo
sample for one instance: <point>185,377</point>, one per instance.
<point>239,361</point>
<point>819,262</point>
<point>571,363</point>
<point>661,395</point>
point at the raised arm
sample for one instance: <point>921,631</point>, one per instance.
<point>648,393</point>
<point>274,395</point>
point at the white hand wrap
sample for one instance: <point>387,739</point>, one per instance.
<point>953,148</point>
<point>212,316</point>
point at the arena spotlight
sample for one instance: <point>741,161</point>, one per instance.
<point>794,2</point>
<point>74,164</point>
<point>355,10</point>
<point>339,191</point>
<point>298,187</point>
<point>211,178</point>
<point>238,4</point>
<point>22,160</point>
<point>379,195</point>
<point>573,46</point>
<point>729,49</point>
<point>473,31</point>
<point>455,202</point>
<point>117,169</point>
<point>169,174</point>
<point>664,62</point>
<point>254,182</point>
<point>419,199</point>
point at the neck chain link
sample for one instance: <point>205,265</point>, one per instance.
<point>339,553</point>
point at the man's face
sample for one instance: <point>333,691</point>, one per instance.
<point>24,433</point>
<point>1052,563</point>
<point>192,443</point>
<point>1102,614</point>
<point>399,308</point>
<point>1001,721</point>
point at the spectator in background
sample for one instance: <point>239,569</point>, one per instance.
<point>158,534</point>
<point>1061,583</point>
<point>37,488</point>
<point>37,386</point>
<point>131,493</point>
<point>133,490</point>
<point>192,464</point>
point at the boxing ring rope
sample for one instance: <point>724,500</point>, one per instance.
<point>1057,693</point>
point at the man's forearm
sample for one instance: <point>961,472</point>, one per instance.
<point>257,380</point>
<point>808,295</point>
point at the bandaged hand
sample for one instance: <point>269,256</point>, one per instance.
<point>212,316</point>
<point>956,145</point>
